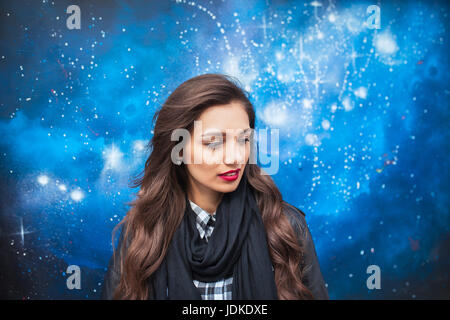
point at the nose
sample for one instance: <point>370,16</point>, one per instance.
<point>234,153</point>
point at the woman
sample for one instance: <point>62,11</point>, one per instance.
<point>215,228</point>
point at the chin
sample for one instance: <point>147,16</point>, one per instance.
<point>228,186</point>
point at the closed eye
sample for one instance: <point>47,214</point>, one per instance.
<point>245,140</point>
<point>213,145</point>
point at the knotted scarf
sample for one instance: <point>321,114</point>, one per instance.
<point>237,247</point>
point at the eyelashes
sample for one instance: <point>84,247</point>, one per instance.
<point>215,145</point>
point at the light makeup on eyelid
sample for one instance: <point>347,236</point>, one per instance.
<point>212,144</point>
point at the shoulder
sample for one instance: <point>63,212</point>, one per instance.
<point>296,217</point>
<point>292,210</point>
<point>310,265</point>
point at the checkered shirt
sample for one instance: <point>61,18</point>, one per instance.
<point>218,290</point>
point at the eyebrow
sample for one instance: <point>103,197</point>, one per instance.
<point>216,132</point>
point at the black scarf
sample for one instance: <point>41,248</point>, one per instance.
<point>237,247</point>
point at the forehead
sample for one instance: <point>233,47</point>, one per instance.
<point>222,117</point>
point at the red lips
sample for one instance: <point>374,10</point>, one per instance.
<point>232,177</point>
<point>230,171</point>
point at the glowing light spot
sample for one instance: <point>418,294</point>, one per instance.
<point>232,67</point>
<point>43,179</point>
<point>361,92</point>
<point>77,195</point>
<point>385,44</point>
<point>275,115</point>
<point>326,124</point>
<point>113,158</point>
<point>312,140</point>
<point>333,107</point>
<point>348,104</point>
<point>62,187</point>
<point>353,24</point>
<point>139,146</point>
<point>279,56</point>
<point>307,103</point>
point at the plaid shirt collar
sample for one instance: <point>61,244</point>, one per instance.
<point>205,221</point>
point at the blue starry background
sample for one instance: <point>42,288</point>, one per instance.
<point>363,119</point>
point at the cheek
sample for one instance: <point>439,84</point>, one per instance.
<point>192,153</point>
<point>207,156</point>
<point>203,173</point>
<point>201,170</point>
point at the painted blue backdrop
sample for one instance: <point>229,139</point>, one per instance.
<point>363,115</point>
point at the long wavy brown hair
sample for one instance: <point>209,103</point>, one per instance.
<point>158,209</point>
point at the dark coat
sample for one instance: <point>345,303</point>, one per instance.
<point>313,278</point>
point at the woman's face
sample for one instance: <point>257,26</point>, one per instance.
<point>221,141</point>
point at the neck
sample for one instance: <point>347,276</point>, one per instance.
<point>205,198</point>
